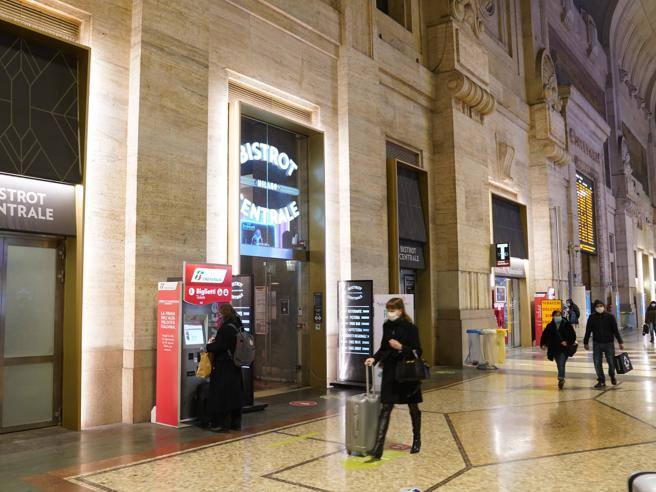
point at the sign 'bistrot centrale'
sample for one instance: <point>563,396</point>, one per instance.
<point>36,206</point>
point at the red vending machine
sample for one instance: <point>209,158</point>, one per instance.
<point>187,315</point>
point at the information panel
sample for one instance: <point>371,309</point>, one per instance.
<point>168,353</point>
<point>585,204</point>
<point>242,299</point>
<point>356,333</point>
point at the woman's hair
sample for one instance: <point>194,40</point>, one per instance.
<point>556,311</point>
<point>228,312</point>
<point>396,303</point>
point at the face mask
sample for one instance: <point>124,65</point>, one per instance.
<point>393,315</point>
<point>599,309</point>
<point>557,319</point>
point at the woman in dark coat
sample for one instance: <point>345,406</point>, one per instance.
<point>226,390</point>
<point>556,339</point>
<point>400,340</point>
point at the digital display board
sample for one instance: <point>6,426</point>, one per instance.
<point>356,329</point>
<point>585,205</point>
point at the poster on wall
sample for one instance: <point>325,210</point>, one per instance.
<point>355,328</point>
<point>380,316</point>
<point>167,376</point>
<point>207,283</point>
<point>260,310</point>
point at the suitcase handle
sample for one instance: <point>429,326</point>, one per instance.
<point>366,379</point>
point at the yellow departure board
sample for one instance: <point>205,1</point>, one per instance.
<point>585,202</point>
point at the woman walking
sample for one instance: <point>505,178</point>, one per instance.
<point>400,340</point>
<point>650,320</point>
<point>226,394</point>
<point>557,339</point>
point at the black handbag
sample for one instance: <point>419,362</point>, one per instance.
<point>412,369</point>
<point>645,329</point>
<point>623,363</point>
<point>571,349</point>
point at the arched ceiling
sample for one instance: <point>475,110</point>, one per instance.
<point>627,28</point>
<point>632,39</point>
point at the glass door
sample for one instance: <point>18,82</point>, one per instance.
<point>31,281</point>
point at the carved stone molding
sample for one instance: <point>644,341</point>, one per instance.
<point>468,11</point>
<point>567,13</point>
<point>547,70</point>
<point>591,34</point>
<point>488,7</point>
<point>555,152</point>
<point>505,159</point>
<point>471,94</point>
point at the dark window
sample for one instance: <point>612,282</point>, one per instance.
<point>39,127</point>
<point>508,226</point>
<point>609,185</point>
<point>411,214</point>
<point>396,9</point>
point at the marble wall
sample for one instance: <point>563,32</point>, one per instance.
<point>475,93</point>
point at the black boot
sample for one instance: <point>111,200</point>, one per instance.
<point>415,415</point>
<point>383,424</point>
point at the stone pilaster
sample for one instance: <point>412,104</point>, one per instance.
<point>167,172</point>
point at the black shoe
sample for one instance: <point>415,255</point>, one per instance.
<point>600,385</point>
<point>383,424</point>
<point>219,429</point>
<point>613,381</point>
<point>235,427</point>
<point>415,415</point>
<point>561,383</point>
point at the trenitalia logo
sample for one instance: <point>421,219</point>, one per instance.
<point>209,275</point>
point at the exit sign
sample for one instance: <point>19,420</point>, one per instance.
<point>503,254</point>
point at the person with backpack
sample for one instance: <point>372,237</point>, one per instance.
<point>400,340</point>
<point>558,339</point>
<point>573,311</point>
<point>226,389</point>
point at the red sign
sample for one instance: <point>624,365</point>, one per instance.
<point>207,284</point>
<point>537,315</point>
<point>167,396</point>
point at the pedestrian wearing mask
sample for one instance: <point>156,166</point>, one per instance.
<point>650,320</point>
<point>603,328</point>
<point>557,339</point>
<point>400,340</point>
<point>574,313</point>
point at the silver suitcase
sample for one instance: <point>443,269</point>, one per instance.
<point>642,482</point>
<point>362,419</point>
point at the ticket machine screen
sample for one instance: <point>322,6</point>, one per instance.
<point>193,335</point>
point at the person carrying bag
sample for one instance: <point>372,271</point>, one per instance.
<point>559,340</point>
<point>400,343</point>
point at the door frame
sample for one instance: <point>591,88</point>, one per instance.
<point>14,239</point>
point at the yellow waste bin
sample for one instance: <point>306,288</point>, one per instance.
<point>501,345</point>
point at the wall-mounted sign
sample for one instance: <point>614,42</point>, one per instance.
<point>207,283</point>
<point>356,329</point>
<point>411,254</point>
<point>242,299</point>
<point>586,213</point>
<point>502,254</point>
<point>583,146</point>
<point>270,195</point>
<point>36,206</point>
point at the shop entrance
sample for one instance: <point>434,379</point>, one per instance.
<point>506,306</point>
<point>31,309</point>
<point>278,320</point>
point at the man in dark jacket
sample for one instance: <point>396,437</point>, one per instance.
<point>650,320</point>
<point>603,327</point>
<point>573,311</point>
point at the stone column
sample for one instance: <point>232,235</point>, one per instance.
<point>167,173</point>
<point>461,253</point>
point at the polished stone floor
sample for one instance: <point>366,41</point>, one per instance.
<point>506,430</point>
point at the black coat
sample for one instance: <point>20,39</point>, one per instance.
<point>602,327</point>
<point>226,388</point>
<point>406,333</point>
<point>552,337</point>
